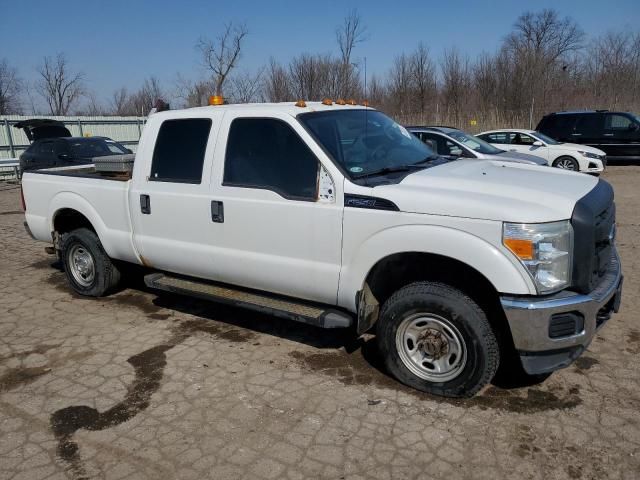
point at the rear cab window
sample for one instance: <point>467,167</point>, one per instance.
<point>179,151</point>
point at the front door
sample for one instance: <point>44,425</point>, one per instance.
<point>279,227</point>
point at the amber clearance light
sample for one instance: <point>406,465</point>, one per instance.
<point>216,100</point>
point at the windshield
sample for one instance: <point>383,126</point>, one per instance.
<point>474,143</point>
<point>365,141</point>
<point>545,139</point>
<point>95,148</point>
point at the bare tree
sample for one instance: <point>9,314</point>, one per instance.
<point>119,102</point>
<point>277,85</point>
<point>10,89</point>
<point>247,87</point>
<point>58,85</point>
<point>93,107</point>
<point>221,55</point>
<point>193,93</point>
<point>423,78</point>
<point>348,35</point>
<point>456,82</point>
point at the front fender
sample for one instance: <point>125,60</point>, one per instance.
<point>503,270</point>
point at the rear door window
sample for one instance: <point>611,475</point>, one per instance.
<point>499,137</point>
<point>266,153</point>
<point>178,155</point>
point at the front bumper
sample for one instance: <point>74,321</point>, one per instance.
<point>530,321</point>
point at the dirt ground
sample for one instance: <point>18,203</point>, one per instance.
<point>138,385</point>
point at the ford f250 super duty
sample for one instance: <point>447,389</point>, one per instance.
<point>335,215</point>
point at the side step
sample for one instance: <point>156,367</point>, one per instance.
<point>305,312</point>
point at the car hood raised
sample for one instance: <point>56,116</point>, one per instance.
<point>490,190</point>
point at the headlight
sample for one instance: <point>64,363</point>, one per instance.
<point>589,155</point>
<point>545,249</point>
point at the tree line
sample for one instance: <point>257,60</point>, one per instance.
<point>545,63</point>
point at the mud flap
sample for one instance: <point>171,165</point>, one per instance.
<point>368,309</point>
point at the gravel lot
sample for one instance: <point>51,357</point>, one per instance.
<point>144,386</point>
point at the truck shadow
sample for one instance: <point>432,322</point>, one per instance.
<point>341,353</point>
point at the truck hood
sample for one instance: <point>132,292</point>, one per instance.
<point>490,190</point>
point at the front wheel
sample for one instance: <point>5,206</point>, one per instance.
<point>438,340</point>
<point>566,163</point>
<point>89,270</point>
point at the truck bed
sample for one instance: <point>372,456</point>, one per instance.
<point>84,171</point>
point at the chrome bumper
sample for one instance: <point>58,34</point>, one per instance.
<point>529,320</point>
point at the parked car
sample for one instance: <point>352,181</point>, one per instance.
<point>568,156</point>
<point>616,133</point>
<point>53,146</point>
<point>337,216</point>
<point>453,143</point>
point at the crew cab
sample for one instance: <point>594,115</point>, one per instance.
<point>337,216</point>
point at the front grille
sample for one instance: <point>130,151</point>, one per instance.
<point>593,223</point>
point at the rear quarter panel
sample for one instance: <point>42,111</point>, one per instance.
<point>103,202</point>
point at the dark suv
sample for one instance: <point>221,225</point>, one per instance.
<point>616,133</point>
<point>53,146</point>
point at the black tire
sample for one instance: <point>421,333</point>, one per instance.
<point>106,275</point>
<point>571,163</point>
<point>456,309</point>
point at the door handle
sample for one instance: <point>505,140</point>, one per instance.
<point>607,134</point>
<point>576,134</point>
<point>217,211</point>
<point>145,204</point>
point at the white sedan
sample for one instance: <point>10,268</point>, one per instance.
<point>569,156</point>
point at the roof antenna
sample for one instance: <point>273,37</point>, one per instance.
<point>365,108</point>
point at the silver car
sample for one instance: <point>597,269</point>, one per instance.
<point>453,143</point>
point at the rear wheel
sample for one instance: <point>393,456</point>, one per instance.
<point>88,268</point>
<point>436,339</point>
<point>566,163</point>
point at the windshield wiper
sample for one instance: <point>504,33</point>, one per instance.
<point>430,158</point>
<point>400,168</point>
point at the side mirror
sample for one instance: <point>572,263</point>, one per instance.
<point>129,150</point>
<point>537,143</point>
<point>633,127</point>
<point>455,152</point>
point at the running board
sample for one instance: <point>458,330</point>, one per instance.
<point>305,312</point>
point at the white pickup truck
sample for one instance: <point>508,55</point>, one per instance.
<point>335,215</point>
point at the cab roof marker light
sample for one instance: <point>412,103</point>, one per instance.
<point>216,100</point>
<point>301,104</point>
<point>327,101</point>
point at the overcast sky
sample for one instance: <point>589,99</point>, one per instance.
<point>119,43</point>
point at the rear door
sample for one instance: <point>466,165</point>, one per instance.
<point>170,198</point>
<point>621,136</point>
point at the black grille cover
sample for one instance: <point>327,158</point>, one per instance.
<point>593,222</point>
